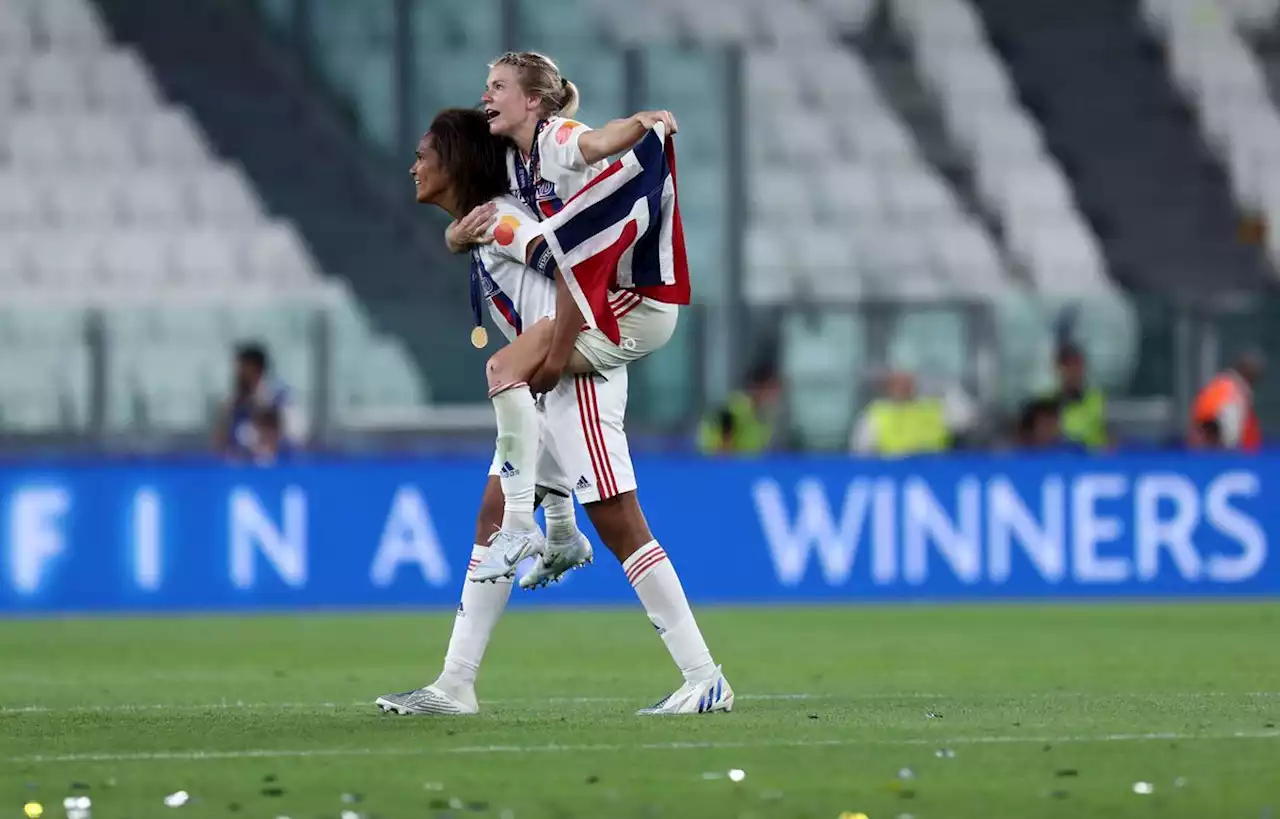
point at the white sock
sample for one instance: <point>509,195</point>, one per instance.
<point>518,449</point>
<point>481,607</point>
<point>656,584</point>
<point>562,522</point>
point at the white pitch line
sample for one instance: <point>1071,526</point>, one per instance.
<point>240,705</point>
<point>268,753</point>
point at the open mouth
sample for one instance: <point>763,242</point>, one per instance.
<point>490,114</point>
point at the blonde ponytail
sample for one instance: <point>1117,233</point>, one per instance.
<point>568,101</point>
<point>540,77</point>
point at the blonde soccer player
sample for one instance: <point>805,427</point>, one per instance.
<point>550,157</point>
<point>458,166</point>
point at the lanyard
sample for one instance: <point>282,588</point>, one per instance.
<point>477,297</point>
<point>527,178</point>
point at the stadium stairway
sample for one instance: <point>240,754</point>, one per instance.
<point>257,106</point>
<point>1266,43</point>
<point>889,57</point>
<point>1158,201</point>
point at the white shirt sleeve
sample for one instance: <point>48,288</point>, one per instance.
<point>863,440</point>
<point>560,157</point>
<point>513,231</point>
<point>1231,422</point>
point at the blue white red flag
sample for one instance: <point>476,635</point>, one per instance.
<point>623,232</point>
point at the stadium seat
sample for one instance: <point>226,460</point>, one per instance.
<point>162,237</point>
<point>155,200</point>
<point>205,254</point>
<point>15,30</point>
<point>64,260</point>
<point>119,81</point>
<point>20,204</point>
<point>101,141</point>
<point>223,198</point>
<point>37,142</point>
<point>137,259</point>
<point>275,253</point>
<point>554,26</point>
<point>70,25</point>
<point>767,278</point>
<point>80,206</point>
<point>822,389</point>
<point>55,84</point>
<point>597,73</point>
<point>931,343</point>
<point>439,25</point>
<point>170,138</point>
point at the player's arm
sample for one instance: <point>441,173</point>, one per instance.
<point>620,134</point>
<point>472,229</point>
<point>569,317</point>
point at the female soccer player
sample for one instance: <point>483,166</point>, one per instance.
<point>456,170</point>
<point>550,158</point>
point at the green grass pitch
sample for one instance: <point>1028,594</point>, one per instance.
<point>1051,711</point>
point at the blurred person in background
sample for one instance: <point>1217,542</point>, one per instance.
<point>1224,408</point>
<point>268,447</point>
<point>1204,435</point>
<point>254,390</point>
<point>744,424</point>
<point>1082,408</point>
<point>901,422</point>
<point>1040,428</point>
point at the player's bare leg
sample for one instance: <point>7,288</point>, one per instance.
<point>517,418</point>
<point>519,360</point>
<point>481,606</point>
<point>508,372</point>
<point>622,527</point>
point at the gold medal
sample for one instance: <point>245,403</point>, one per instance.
<point>479,338</point>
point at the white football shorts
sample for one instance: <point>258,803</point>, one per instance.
<point>582,445</point>
<point>643,324</point>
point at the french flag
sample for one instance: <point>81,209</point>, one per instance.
<point>623,232</point>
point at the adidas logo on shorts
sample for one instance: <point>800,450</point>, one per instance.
<point>583,483</point>
<point>508,471</point>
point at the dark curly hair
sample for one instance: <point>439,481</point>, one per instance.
<point>475,160</point>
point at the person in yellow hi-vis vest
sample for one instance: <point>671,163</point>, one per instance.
<point>901,423</point>
<point>744,424</point>
<point>1083,408</point>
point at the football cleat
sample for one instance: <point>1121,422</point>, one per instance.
<point>506,550</point>
<point>557,560</point>
<point>429,700</point>
<point>702,697</point>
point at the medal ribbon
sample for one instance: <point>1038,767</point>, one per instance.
<point>527,177</point>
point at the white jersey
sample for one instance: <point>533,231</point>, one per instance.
<point>518,295</point>
<point>562,169</point>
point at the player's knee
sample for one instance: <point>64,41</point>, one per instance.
<point>497,373</point>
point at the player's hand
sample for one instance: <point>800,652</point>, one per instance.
<point>473,228</point>
<point>650,118</point>
<point>546,378</point>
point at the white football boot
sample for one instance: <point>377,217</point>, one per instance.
<point>702,697</point>
<point>429,700</point>
<point>558,559</point>
<point>506,550</point>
